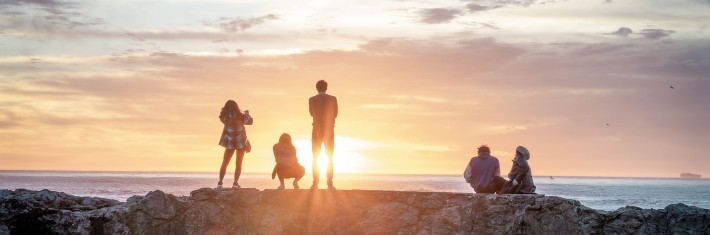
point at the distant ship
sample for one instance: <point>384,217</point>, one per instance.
<point>689,175</point>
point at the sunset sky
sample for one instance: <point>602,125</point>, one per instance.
<point>137,85</point>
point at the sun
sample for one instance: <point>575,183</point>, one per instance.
<point>347,156</point>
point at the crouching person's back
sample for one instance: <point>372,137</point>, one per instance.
<point>483,172</point>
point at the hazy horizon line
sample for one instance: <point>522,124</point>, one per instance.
<point>349,174</point>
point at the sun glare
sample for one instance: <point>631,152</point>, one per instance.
<point>347,155</point>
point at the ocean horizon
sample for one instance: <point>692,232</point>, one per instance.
<point>601,193</point>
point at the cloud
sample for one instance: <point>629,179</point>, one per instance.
<point>523,3</point>
<point>622,32</point>
<point>600,48</point>
<point>152,35</point>
<point>501,129</point>
<point>483,25</point>
<point>438,15</point>
<point>238,24</point>
<point>389,106</point>
<point>473,7</point>
<point>55,14</point>
<point>43,3</point>
<point>690,63</point>
<point>655,34</point>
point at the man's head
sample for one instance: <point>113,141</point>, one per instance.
<point>484,150</point>
<point>321,86</point>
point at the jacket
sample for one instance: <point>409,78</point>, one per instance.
<point>522,173</point>
<point>324,109</point>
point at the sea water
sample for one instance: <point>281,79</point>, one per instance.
<point>595,192</point>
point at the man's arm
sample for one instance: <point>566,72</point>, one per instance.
<point>310,106</point>
<point>467,173</point>
<point>335,113</point>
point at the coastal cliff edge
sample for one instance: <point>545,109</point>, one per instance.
<point>250,211</point>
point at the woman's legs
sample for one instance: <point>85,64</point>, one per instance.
<point>281,181</point>
<point>238,162</point>
<point>225,161</point>
<point>299,174</point>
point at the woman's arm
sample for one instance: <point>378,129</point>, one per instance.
<point>523,169</point>
<point>248,120</point>
<point>276,153</point>
<point>223,117</point>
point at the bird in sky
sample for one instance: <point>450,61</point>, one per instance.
<point>672,87</point>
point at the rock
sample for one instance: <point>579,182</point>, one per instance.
<point>4,230</point>
<point>203,194</point>
<point>134,199</point>
<point>156,213</point>
<point>390,218</point>
<point>158,205</point>
<point>250,211</point>
<point>48,212</point>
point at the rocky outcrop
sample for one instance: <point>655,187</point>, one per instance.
<point>250,211</point>
<point>47,212</point>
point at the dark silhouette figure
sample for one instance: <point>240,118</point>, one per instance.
<point>287,165</point>
<point>483,172</point>
<point>234,138</point>
<point>324,109</point>
<point>521,181</point>
<point>672,87</point>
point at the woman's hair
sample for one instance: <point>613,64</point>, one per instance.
<point>285,139</point>
<point>229,107</point>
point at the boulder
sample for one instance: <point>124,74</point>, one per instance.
<point>48,212</point>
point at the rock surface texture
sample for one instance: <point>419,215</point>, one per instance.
<point>250,211</point>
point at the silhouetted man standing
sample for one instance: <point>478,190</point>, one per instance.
<point>324,110</point>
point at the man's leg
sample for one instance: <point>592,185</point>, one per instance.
<point>329,147</point>
<point>498,183</point>
<point>316,142</point>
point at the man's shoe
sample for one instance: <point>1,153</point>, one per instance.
<point>236,185</point>
<point>314,187</point>
<point>331,187</point>
<point>295,185</point>
<point>281,187</point>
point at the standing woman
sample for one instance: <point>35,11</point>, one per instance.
<point>234,138</point>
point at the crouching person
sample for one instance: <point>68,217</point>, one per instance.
<point>287,165</point>
<point>483,172</point>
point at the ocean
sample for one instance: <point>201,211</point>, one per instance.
<point>599,193</point>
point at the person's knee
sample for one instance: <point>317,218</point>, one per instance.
<point>301,172</point>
